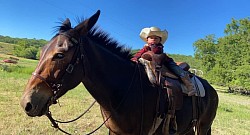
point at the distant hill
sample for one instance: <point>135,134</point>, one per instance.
<point>6,48</point>
<point>23,41</point>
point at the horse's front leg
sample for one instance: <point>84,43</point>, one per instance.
<point>191,132</point>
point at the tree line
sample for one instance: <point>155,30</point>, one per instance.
<point>27,48</point>
<point>226,60</point>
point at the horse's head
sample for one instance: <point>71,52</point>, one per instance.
<point>56,72</point>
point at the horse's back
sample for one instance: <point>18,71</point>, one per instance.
<point>206,108</point>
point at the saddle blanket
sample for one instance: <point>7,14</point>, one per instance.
<point>200,91</point>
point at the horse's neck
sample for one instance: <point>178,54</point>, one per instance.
<point>107,75</point>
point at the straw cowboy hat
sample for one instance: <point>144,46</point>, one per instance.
<point>146,32</point>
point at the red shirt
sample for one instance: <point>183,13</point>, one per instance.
<point>157,49</point>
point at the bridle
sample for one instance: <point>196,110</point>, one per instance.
<point>77,56</point>
<point>56,86</point>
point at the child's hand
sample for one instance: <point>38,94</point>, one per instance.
<point>134,60</point>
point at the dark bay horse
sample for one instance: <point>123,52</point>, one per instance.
<point>86,54</point>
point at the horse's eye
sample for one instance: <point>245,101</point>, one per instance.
<point>58,56</point>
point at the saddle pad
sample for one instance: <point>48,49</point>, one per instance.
<point>200,91</point>
<point>148,69</point>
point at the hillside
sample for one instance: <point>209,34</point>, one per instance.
<point>6,48</point>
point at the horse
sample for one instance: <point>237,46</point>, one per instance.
<point>85,54</point>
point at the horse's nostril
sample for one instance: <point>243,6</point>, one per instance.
<point>28,107</point>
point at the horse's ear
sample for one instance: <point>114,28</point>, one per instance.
<point>66,25</point>
<point>86,25</point>
<point>93,19</point>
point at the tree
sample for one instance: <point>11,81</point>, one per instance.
<point>205,50</point>
<point>227,60</point>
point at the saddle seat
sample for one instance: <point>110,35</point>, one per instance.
<point>155,62</point>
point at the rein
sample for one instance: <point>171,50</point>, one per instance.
<point>55,122</point>
<point>142,98</point>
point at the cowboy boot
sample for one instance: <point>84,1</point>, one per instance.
<point>188,83</point>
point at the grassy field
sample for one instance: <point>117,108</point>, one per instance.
<point>233,114</point>
<point>233,117</point>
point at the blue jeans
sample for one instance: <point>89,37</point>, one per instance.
<point>171,65</point>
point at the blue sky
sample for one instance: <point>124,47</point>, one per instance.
<point>185,20</point>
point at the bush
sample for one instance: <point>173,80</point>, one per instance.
<point>4,68</point>
<point>16,69</point>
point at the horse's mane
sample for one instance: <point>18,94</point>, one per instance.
<point>102,38</point>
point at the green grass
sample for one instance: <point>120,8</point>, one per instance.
<point>232,116</point>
